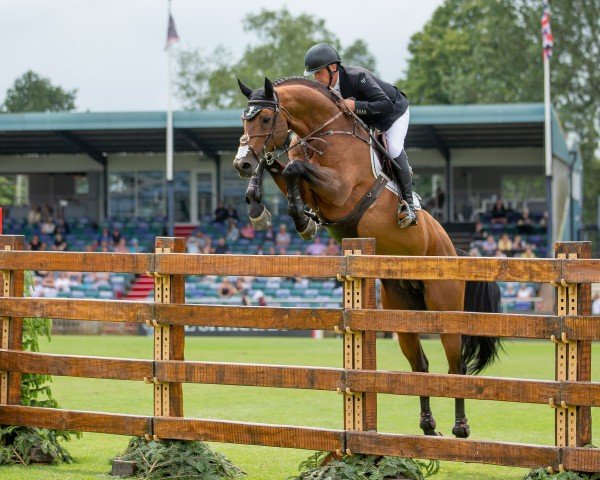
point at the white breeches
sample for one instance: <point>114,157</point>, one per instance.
<point>397,133</point>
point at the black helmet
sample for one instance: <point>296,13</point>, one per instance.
<point>319,56</point>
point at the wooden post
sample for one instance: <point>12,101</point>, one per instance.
<point>574,299</point>
<point>169,340</point>
<point>360,409</point>
<point>11,331</point>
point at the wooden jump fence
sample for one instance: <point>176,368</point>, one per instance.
<point>571,328</point>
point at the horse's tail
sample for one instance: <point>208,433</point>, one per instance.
<point>479,352</point>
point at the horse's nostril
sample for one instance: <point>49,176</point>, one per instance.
<point>246,165</point>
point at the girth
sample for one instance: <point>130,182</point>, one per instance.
<point>346,227</point>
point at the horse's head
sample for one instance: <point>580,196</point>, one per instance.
<point>265,128</point>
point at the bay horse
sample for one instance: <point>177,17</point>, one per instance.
<point>330,172</point>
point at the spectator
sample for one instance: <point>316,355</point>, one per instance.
<point>524,295</point>
<point>259,298</point>
<point>544,219</point>
<point>528,253</point>
<point>195,242</point>
<point>499,212</point>
<point>226,288</point>
<point>474,252</point>
<point>269,235</point>
<point>62,226</point>
<point>518,244</point>
<point>34,217</point>
<point>47,227</point>
<point>121,247</point>
<point>48,286</point>
<point>208,247</point>
<point>525,223</point>
<point>317,247</point>
<point>525,292</point>
<point>233,233</point>
<point>283,237</point>
<point>500,254</point>
<point>510,290</point>
<point>490,246</point>
<point>63,283</point>
<point>260,250</point>
<point>60,245</point>
<point>332,248</point>
<point>232,212</point>
<point>222,246</point>
<point>480,233</point>
<point>135,246</point>
<point>271,250</point>
<point>596,304</point>
<point>101,279</point>
<point>247,232</point>
<point>35,244</point>
<point>36,289</point>
<point>240,285</point>
<point>505,244</point>
<point>116,236</point>
<point>221,214</point>
<point>246,300</point>
<point>104,236</point>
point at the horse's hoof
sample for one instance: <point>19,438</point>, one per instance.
<point>310,231</point>
<point>427,424</point>
<point>461,429</point>
<point>263,221</point>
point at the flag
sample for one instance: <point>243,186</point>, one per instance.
<point>547,38</point>
<point>172,36</point>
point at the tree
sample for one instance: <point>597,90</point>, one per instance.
<point>34,93</point>
<point>490,51</point>
<point>208,80</point>
<point>473,52</point>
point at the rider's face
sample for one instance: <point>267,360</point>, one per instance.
<point>322,76</point>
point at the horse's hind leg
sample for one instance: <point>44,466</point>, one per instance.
<point>448,296</point>
<point>413,351</point>
<point>453,348</point>
<point>394,296</point>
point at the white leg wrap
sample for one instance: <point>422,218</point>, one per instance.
<point>263,221</point>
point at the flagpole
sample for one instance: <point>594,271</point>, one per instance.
<point>170,186</point>
<point>548,151</point>
<point>546,53</point>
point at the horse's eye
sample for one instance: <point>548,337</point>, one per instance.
<point>266,120</point>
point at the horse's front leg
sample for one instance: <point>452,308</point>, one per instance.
<point>293,173</point>
<point>260,217</point>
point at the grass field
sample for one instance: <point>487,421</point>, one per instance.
<point>489,420</point>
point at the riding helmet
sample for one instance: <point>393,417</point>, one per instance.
<point>319,56</point>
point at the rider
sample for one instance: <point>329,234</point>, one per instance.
<point>378,103</point>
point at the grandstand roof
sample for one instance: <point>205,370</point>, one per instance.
<point>98,134</point>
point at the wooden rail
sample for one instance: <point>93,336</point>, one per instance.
<point>571,328</point>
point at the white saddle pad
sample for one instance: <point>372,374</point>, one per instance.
<point>391,185</point>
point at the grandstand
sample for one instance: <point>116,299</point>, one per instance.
<point>106,171</point>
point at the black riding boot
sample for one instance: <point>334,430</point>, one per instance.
<point>406,209</point>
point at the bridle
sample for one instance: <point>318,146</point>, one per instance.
<point>250,113</point>
<point>266,157</point>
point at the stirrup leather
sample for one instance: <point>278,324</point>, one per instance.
<point>406,216</point>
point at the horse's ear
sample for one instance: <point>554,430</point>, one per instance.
<point>247,91</point>
<point>269,92</point>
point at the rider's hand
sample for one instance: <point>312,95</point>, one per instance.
<point>350,103</point>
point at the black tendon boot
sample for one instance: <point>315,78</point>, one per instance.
<point>406,209</point>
